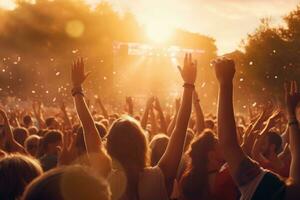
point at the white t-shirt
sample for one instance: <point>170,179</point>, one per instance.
<point>151,184</point>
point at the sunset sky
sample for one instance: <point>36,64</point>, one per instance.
<point>228,21</point>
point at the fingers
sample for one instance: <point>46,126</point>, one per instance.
<point>87,74</point>
<point>185,60</point>
<point>180,69</point>
<point>295,87</point>
<point>286,87</point>
<point>292,88</point>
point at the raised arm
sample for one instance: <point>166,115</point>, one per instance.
<point>145,116</point>
<point>102,107</point>
<point>162,120</point>
<point>173,121</point>
<point>292,97</point>
<point>200,125</point>
<point>37,109</point>
<point>239,164</point>
<point>129,105</point>
<point>67,121</point>
<point>10,144</point>
<point>154,129</point>
<point>172,156</point>
<point>92,138</point>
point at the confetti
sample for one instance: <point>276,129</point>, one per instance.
<point>74,51</point>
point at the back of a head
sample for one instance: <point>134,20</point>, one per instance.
<point>209,123</point>
<point>158,146</point>
<point>20,135</point>
<point>49,121</point>
<point>65,183</point>
<point>276,140</point>
<point>33,130</point>
<point>31,144</point>
<point>16,171</point>
<point>52,137</point>
<point>127,143</point>
<point>27,120</point>
<point>194,182</point>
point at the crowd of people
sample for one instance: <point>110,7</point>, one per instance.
<point>97,154</point>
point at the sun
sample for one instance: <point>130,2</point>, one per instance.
<point>158,33</point>
<point>7,4</point>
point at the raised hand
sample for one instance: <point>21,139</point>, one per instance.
<point>224,70</point>
<point>150,102</point>
<point>292,97</point>
<point>129,100</point>
<point>8,135</point>
<point>129,104</point>
<point>67,153</point>
<point>189,70</point>
<point>156,104</point>
<point>78,74</point>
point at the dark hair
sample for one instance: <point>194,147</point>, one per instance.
<point>27,120</point>
<point>274,138</point>
<point>158,146</point>
<point>209,124</point>
<point>20,135</point>
<point>16,171</point>
<point>127,144</point>
<point>49,121</point>
<point>74,182</point>
<point>50,137</point>
<point>194,182</point>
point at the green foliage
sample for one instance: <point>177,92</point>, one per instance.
<point>271,57</point>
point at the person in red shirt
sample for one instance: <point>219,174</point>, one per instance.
<point>205,178</point>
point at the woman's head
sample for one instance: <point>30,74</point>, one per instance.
<point>17,171</point>
<point>158,146</point>
<point>127,143</point>
<point>66,183</point>
<point>204,158</point>
<point>204,149</point>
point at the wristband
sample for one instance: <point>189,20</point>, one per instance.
<point>77,91</point>
<point>189,85</point>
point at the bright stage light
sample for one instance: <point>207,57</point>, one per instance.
<point>7,4</point>
<point>158,33</point>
